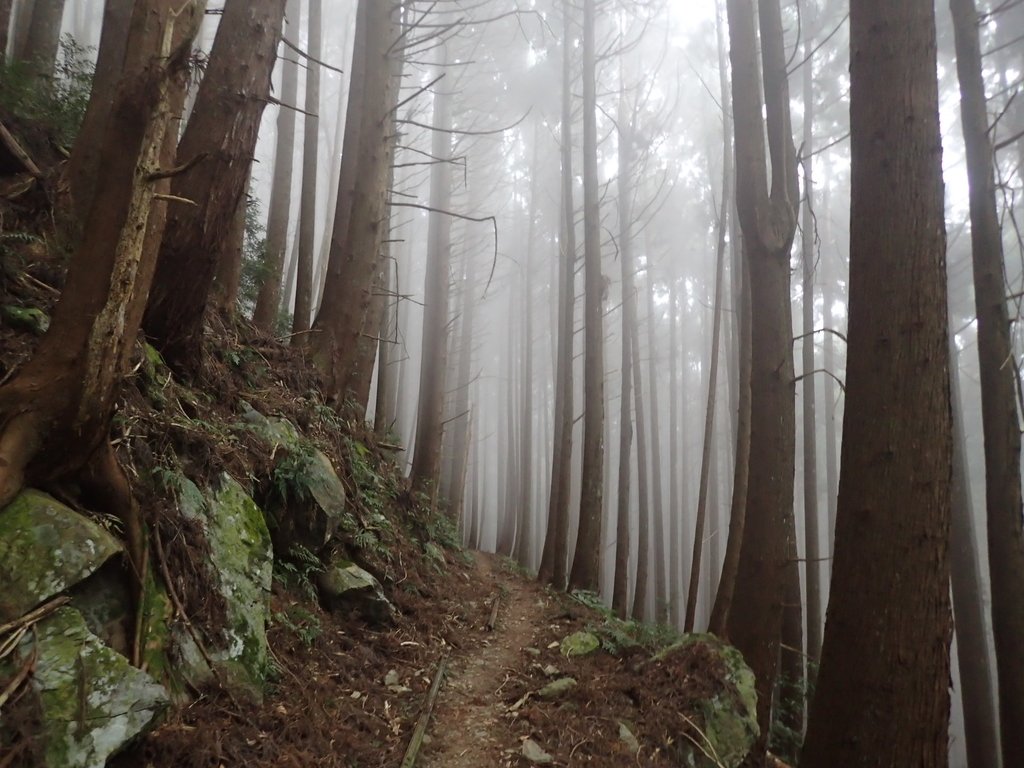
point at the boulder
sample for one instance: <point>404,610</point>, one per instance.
<point>344,586</point>
<point>557,688</point>
<point>729,717</point>
<point>241,560</point>
<point>26,319</point>
<point>93,702</point>
<point>45,548</point>
<point>580,644</point>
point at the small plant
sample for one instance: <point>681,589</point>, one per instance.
<point>254,257</point>
<point>302,623</point>
<point>297,570</point>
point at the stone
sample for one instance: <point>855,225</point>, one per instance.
<point>45,548</point>
<point>557,688</point>
<point>345,586</point>
<point>627,737</point>
<point>26,319</point>
<point>533,752</point>
<point>729,717</point>
<point>242,568</point>
<point>580,644</point>
<point>93,701</point>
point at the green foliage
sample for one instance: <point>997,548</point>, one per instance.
<point>58,103</point>
<point>617,635</point>
<point>254,257</point>
<point>298,569</point>
<point>302,623</point>
<point>790,699</point>
<point>291,477</point>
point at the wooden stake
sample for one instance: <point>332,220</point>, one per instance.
<point>421,726</point>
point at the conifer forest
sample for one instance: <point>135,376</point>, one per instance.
<point>509,383</point>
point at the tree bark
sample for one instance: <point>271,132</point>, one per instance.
<point>554,560</point>
<point>302,316</point>
<point>675,579</point>
<point>585,573</point>
<point>892,534</point>
<point>229,266</point>
<point>83,168</point>
<point>43,38</point>
<point>643,548</point>
<point>221,135</point>
<point>657,508</point>
<point>360,216</point>
<point>6,6</point>
<point>268,300</point>
<point>768,219</point>
<point>976,690</point>
<point>999,415</point>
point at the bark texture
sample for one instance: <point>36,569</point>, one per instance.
<point>886,646</point>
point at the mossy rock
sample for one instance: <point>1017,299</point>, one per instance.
<point>729,718</point>
<point>242,563</point>
<point>45,548</point>
<point>93,701</point>
<point>28,319</point>
<point>344,586</point>
<point>105,603</point>
<point>580,644</point>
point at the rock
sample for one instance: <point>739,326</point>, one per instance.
<point>45,548</point>
<point>627,737</point>
<point>93,701</point>
<point>242,563</point>
<point>391,678</point>
<point>104,602</point>
<point>557,688</point>
<point>580,644</point>
<point>309,500</point>
<point>346,586</point>
<point>729,718</point>
<point>26,319</point>
<point>550,670</point>
<point>532,751</point>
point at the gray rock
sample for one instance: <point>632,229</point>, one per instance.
<point>557,688</point>
<point>45,548</point>
<point>93,701</point>
<point>345,586</point>
<point>580,644</point>
<point>532,751</point>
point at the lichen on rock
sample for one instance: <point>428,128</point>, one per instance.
<point>45,548</point>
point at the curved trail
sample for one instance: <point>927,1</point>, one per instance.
<point>469,729</point>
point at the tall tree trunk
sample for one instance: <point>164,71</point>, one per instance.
<point>791,658</point>
<point>83,168</point>
<point>657,509</point>
<point>310,157</point>
<point>998,381</point>
<point>709,413</point>
<point>462,411</point>
<point>426,461</point>
<point>360,220</point>
<point>554,560</point>
<point>229,266</point>
<point>387,380</point>
<point>768,220</point>
<point>643,548</point>
<point>675,579</point>
<point>507,524</point>
<point>268,300</point>
<point>585,572</point>
<point>892,535</point>
<point>976,691</point>
<point>810,454</point>
<point>222,131</point>
<point>6,6</point>
<point>58,407</point>
<point>43,38</point>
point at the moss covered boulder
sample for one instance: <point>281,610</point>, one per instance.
<point>93,702</point>
<point>45,548</point>
<point>344,586</point>
<point>241,563</point>
<point>307,500</point>
<point>725,723</point>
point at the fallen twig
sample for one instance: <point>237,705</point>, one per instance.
<point>421,726</point>
<point>35,615</point>
<point>492,622</point>
<point>21,677</point>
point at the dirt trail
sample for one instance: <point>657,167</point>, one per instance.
<point>469,728</point>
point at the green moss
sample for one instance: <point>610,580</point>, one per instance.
<point>26,319</point>
<point>45,548</point>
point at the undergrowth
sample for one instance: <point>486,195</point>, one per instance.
<point>617,635</point>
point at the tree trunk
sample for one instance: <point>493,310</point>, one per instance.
<point>586,569</point>
<point>387,380</point>
<point>658,510</point>
<point>426,461</point>
<point>302,316</point>
<point>643,548</point>
<point>6,6</point>
<point>360,217</point>
<point>675,579</point>
<point>43,38</point>
<point>554,561</point>
<point>268,301</point>
<point>768,220</point>
<point>83,169</point>
<point>709,413</point>
<point>462,411</point>
<point>57,409</point>
<point>229,266</point>
<point>998,382</point>
<point>810,454</point>
<point>222,132</point>
<point>976,691</point>
<point>892,535</point>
